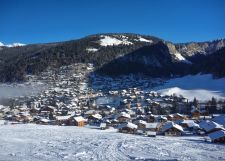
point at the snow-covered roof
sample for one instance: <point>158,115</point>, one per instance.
<point>190,123</point>
<point>152,125</point>
<point>217,134</point>
<point>124,114</point>
<point>209,125</point>
<point>79,119</point>
<point>97,116</point>
<point>129,125</point>
<point>59,118</point>
<point>142,122</point>
<point>170,125</point>
<point>220,120</point>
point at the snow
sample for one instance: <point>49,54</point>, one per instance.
<point>92,50</point>
<point>203,87</point>
<point>144,40</point>
<point>43,142</point>
<point>169,125</point>
<point>129,125</point>
<point>12,45</point>
<point>179,57</point>
<point>110,41</point>
<point>210,125</point>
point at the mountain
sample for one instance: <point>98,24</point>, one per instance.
<point>112,54</point>
<point>11,45</point>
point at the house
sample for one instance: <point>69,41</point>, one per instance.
<point>79,121</point>
<point>128,127</point>
<point>172,129</point>
<point>161,119</point>
<point>169,117</point>
<point>141,124</point>
<point>151,134</point>
<point>210,126</point>
<point>178,116</point>
<point>123,117</point>
<point>103,126</point>
<point>153,126</point>
<point>217,136</point>
<point>150,118</point>
<point>188,124</point>
<point>195,113</point>
<point>64,120</point>
<point>95,118</point>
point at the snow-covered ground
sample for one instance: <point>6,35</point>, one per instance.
<point>203,87</point>
<point>42,142</point>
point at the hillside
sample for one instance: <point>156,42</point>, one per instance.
<point>38,142</point>
<point>133,53</point>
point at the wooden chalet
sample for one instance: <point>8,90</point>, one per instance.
<point>172,129</point>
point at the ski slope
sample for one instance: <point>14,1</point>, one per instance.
<point>42,142</point>
<point>203,87</point>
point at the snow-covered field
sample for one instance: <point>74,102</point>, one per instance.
<point>42,142</point>
<point>203,87</point>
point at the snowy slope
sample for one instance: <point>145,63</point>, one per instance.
<point>42,142</point>
<point>203,87</point>
<point>110,41</point>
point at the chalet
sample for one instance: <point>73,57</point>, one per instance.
<point>123,117</point>
<point>95,118</point>
<point>172,129</point>
<point>141,124</point>
<point>178,116</point>
<point>153,126</point>
<point>128,127</point>
<point>161,119</point>
<point>210,126</point>
<point>151,133</point>
<point>150,118</point>
<point>195,113</point>
<point>79,121</point>
<point>103,126</point>
<point>169,117</point>
<point>64,120</point>
<point>217,136</point>
<point>188,124</point>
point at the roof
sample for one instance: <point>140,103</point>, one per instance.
<point>141,122</point>
<point>79,119</point>
<point>170,125</point>
<point>217,134</point>
<point>152,125</point>
<point>220,120</point>
<point>63,117</point>
<point>190,123</point>
<point>97,116</point>
<point>209,125</point>
<point>129,125</point>
<point>124,114</point>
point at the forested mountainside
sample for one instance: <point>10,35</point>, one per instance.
<point>113,54</point>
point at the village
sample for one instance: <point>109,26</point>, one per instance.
<point>76,96</point>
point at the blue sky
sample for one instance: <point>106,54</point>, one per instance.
<point>30,21</point>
